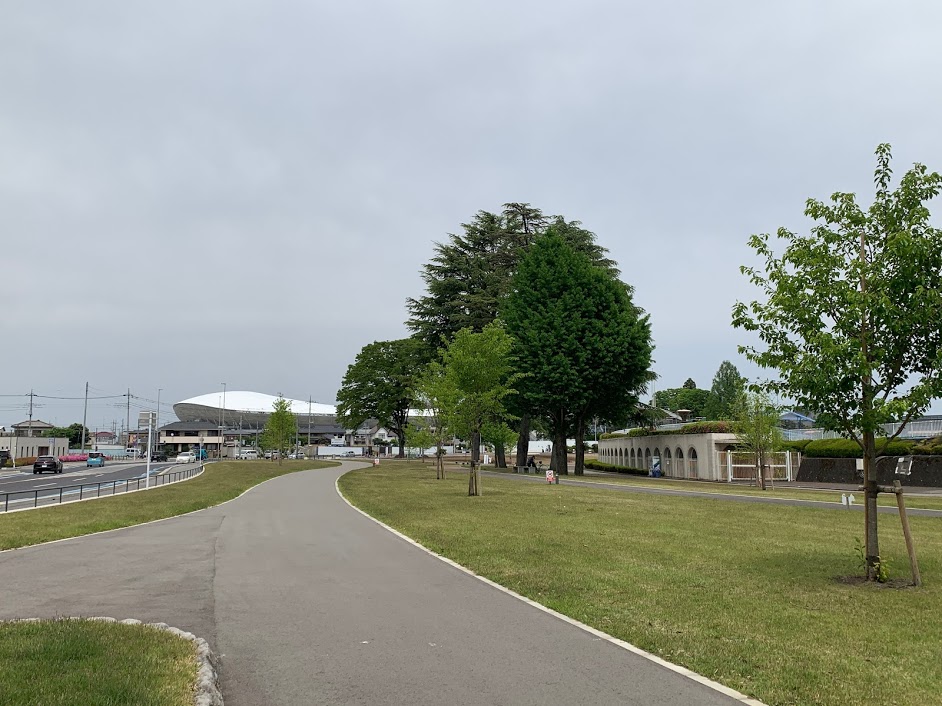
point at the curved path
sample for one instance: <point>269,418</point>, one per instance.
<point>309,602</point>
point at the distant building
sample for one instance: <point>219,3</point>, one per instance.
<point>32,427</point>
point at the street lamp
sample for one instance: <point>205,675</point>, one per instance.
<point>222,420</point>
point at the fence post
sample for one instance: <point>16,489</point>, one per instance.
<point>788,466</point>
<point>729,467</point>
<point>35,497</point>
<point>60,496</point>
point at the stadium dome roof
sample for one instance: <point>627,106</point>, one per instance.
<point>245,401</point>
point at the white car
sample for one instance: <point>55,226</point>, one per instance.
<point>186,457</point>
<point>248,455</point>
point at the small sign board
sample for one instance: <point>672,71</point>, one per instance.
<point>549,476</point>
<point>904,465</point>
<point>146,419</point>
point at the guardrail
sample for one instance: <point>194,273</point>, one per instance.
<point>44,497</point>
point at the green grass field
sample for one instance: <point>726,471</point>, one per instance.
<point>754,596</point>
<point>90,663</point>
<point>922,501</point>
<point>218,483</point>
<point>94,663</point>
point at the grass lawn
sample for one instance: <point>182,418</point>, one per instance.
<point>748,595</point>
<point>219,482</point>
<point>926,502</point>
<point>93,663</point>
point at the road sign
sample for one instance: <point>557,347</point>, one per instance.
<point>549,476</point>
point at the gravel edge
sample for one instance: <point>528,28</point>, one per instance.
<point>206,688</point>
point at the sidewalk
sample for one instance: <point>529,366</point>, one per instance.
<point>309,602</point>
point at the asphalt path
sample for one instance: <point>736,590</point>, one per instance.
<point>596,482</point>
<point>309,602</point>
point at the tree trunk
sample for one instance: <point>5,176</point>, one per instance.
<point>523,441</point>
<point>560,459</point>
<point>475,447</point>
<point>870,504</point>
<point>401,435</point>
<point>439,463</point>
<point>580,446</point>
<point>760,478</point>
<point>500,457</point>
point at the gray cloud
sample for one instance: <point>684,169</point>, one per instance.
<point>261,181</point>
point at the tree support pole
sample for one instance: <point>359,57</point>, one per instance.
<point>907,534</point>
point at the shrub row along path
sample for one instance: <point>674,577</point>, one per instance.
<point>306,601</point>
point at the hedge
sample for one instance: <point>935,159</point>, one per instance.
<point>848,448</point>
<point>601,466</point>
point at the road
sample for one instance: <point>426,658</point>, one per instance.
<point>309,602</point>
<point>17,486</point>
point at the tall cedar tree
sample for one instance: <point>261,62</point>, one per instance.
<point>468,279</point>
<point>728,386</point>
<point>377,386</point>
<point>582,347</point>
<point>852,315</point>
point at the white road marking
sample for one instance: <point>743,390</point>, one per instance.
<point>43,485</point>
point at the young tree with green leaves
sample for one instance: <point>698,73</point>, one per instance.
<point>280,428</point>
<point>756,427</point>
<point>852,313</point>
<point>433,395</point>
<point>377,385</point>
<point>582,347</point>
<point>419,436</point>
<point>477,379</point>
<point>728,387</point>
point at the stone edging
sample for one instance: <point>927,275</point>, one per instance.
<point>206,689</point>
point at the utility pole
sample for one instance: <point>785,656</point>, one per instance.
<point>157,442</point>
<point>127,429</point>
<point>309,401</point>
<point>84,417</point>
<point>30,432</point>
<point>222,421</point>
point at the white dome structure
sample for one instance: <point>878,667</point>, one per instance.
<point>251,409</point>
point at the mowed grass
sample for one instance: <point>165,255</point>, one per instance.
<point>94,663</point>
<point>750,595</point>
<point>915,500</point>
<point>218,483</point>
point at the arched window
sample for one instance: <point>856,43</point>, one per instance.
<point>647,459</point>
<point>668,468</point>
<point>681,466</point>
<point>692,470</point>
<point>632,457</point>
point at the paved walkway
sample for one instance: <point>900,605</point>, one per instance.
<point>309,602</point>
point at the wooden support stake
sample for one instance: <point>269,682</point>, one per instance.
<point>907,534</point>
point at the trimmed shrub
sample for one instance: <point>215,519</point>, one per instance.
<point>795,445</point>
<point>719,427</point>
<point>601,466</point>
<point>640,432</point>
<point>848,448</point>
<point>613,435</point>
<point>21,462</point>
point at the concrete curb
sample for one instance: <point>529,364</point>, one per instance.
<point>206,689</point>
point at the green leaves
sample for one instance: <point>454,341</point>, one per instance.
<point>852,312</point>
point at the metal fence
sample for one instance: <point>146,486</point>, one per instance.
<point>741,465</point>
<point>43,497</point>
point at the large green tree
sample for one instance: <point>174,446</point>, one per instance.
<point>728,386</point>
<point>280,427</point>
<point>677,398</point>
<point>468,278</point>
<point>378,384</point>
<point>73,433</point>
<point>852,314</point>
<point>581,345</point>
<point>478,378</point>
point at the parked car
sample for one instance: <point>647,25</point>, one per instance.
<point>158,456</point>
<point>350,453</point>
<point>95,459</point>
<point>186,457</point>
<point>248,455</point>
<point>47,463</point>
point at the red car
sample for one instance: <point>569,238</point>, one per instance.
<point>47,463</point>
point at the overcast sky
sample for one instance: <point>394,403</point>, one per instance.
<point>194,193</point>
